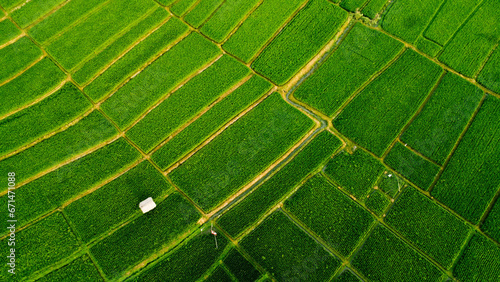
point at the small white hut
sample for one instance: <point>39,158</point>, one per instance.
<point>147,205</point>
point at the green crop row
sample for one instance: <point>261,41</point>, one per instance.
<point>472,44</point>
<point>284,250</point>
<point>472,172</point>
<point>38,246</point>
<point>490,225</point>
<point>335,217</point>
<point>182,6</point>
<point>412,166</point>
<point>379,112</point>
<point>137,184</point>
<point>260,27</point>
<point>226,18</point>
<point>8,4</point>
<point>52,190</point>
<point>7,31</point>
<point>356,172</point>
<point>155,81</point>
<point>135,58</point>
<point>438,126</point>
<point>62,18</point>
<point>240,267</point>
<point>448,19</point>
<point>51,113</point>
<point>93,66</point>
<point>241,152</point>
<point>24,52</point>
<point>430,227</point>
<point>145,235</point>
<point>480,261</point>
<point>346,276</point>
<point>352,5</point>
<point>427,46</point>
<point>384,257</point>
<point>490,74</point>
<point>202,12</point>
<point>189,262</point>
<point>362,53</point>
<point>183,104</point>
<point>373,8</point>
<point>407,19</point>
<point>377,202</point>
<point>219,275</point>
<point>32,83</point>
<point>80,269</point>
<point>211,121</point>
<point>69,49</point>
<point>300,40</point>
<point>87,133</point>
<point>246,212</point>
<point>33,10</point>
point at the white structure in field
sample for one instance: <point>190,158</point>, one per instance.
<point>147,205</point>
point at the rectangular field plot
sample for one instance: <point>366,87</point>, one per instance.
<point>226,18</point>
<point>362,53</point>
<point>377,114</point>
<point>473,170</point>
<point>259,27</point>
<point>8,4</point>
<point>240,267</point>
<point>202,12</point>
<point>211,121</point>
<point>412,166</point>
<point>188,262</point>
<point>219,275</point>
<point>33,83</point>
<point>430,227</point>
<point>352,5</point>
<point>88,132</point>
<point>40,245</point>
<point>407,19</point>
<point>299,41</point>
<point>135,58</point>
<point>346,276</point>
<point>451,15</point>
<point>246,212</point>
<point>331,214</point>
<point>146,235</point>
<point>69,49</point>
<point>471,45</point>
<point>490,75</point>
<point>140,93</point>
<point>492,222</point>
<point>80,269</point>
<point>427,46</point>
<point>384,257</point>
<point>137,184</point>
<point>47,115</point>
<point>373,8</point>
<point>356,172</point>
<point>182,6</point>
<point>8,31</point>
<point>438,126</point>
<point>186,102</point>
<point>84,73</point>
<point>67,15</point>
<point>240,152</point>
<point>479,262</point>
<point>377,202</point>
<point>52,190</point>
<point>284,250</point>
<point>17,56</point>
<point>30,11</point>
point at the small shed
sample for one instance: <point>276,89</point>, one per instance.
<point>147,205</point>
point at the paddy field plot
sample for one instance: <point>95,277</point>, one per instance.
<point>300,140</point>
